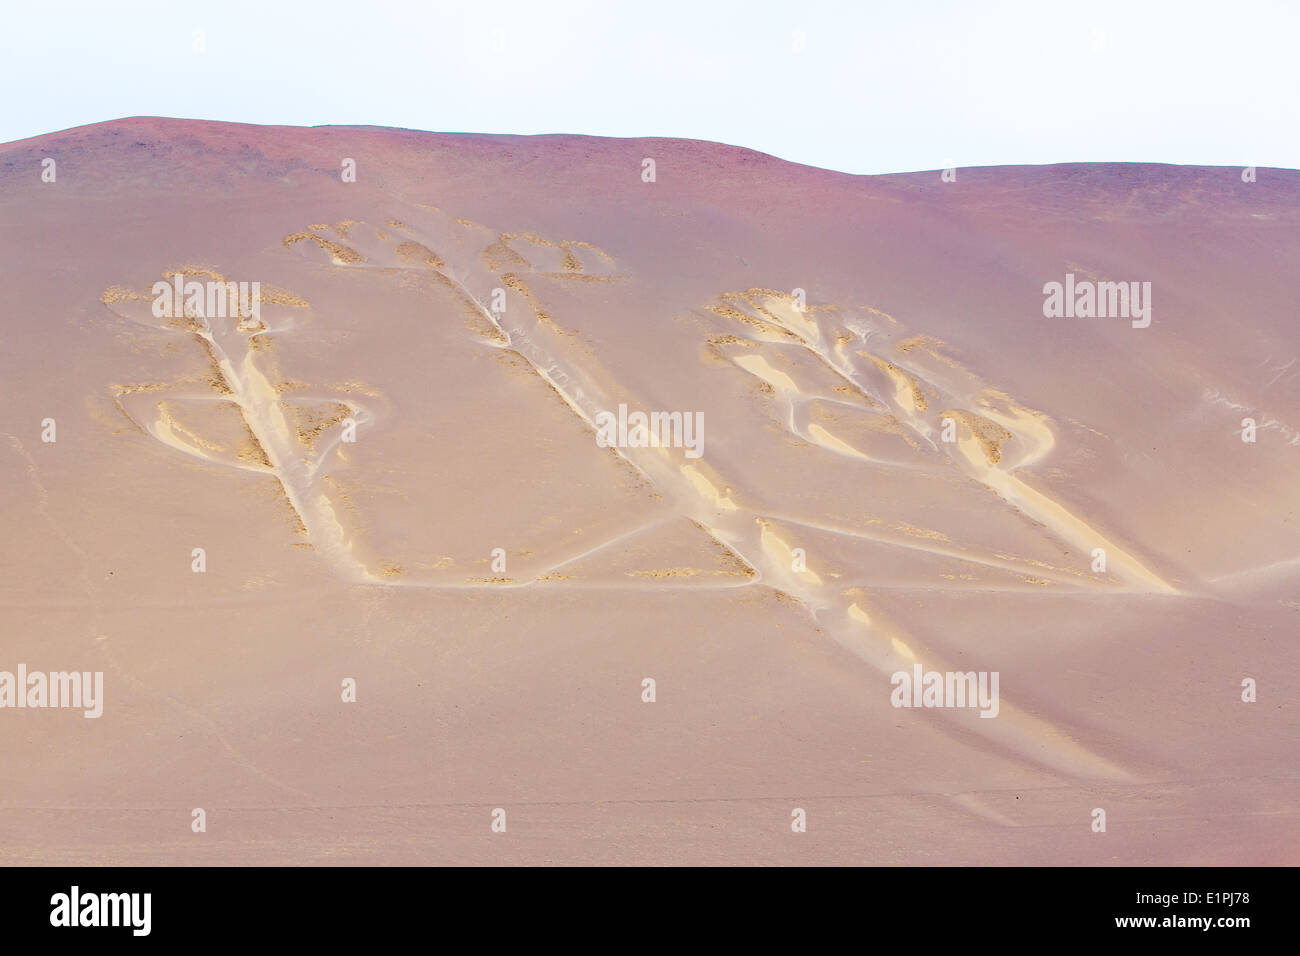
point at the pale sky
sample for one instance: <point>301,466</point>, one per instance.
<point>862,87</point>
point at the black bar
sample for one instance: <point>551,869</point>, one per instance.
<point>975,906</point>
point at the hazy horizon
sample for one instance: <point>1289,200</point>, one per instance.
<point>860,91</point>
<point>448,132</point>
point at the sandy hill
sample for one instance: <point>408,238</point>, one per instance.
<point>391,466</point>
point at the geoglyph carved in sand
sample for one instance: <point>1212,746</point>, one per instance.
<point>828,376</point>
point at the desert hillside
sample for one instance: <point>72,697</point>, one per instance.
<point>876,452</point>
